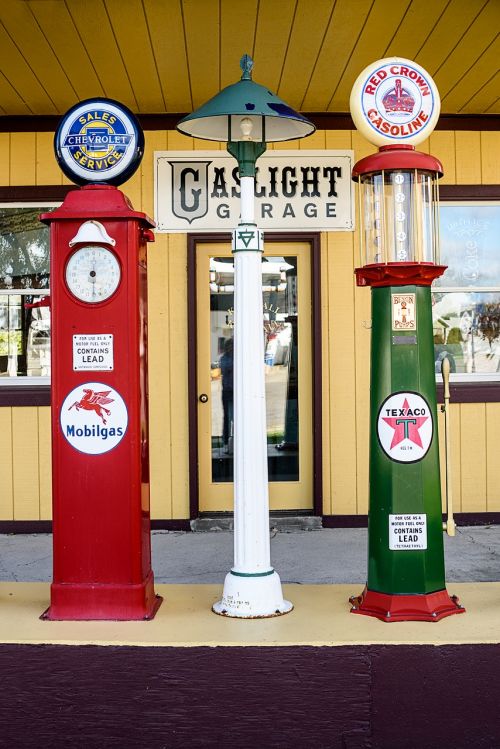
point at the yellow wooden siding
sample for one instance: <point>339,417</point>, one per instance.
<point>468,157</point>
<point>473,456</point>
<point>178,375</point>
<point>492,461</point>
<point>23,159</point>
<point>6,484</point>
<point>237,34</point>
<point>47,170</point>
<point>170,55</point>
<point>4,158</point>
<point>181,52</point>
<point>25,463</point>
<point>346,24</point>
<point>101,45</point>
<point>375,36</point>
<point>44,464</point>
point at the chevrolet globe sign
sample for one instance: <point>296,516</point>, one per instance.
<point>294,191</point>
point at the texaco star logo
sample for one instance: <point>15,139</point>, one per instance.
<point>405,427</point>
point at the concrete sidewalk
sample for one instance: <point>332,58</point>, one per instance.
<point>321,556</point>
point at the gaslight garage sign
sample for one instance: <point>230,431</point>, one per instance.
<point>295,190</point>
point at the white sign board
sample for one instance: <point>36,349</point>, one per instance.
<point>92,352</point>
<point>395,100</point>
<point>403,312</point>
<point>294,191</point>
<point>407,532</point>
<point>93,418</point>
<point>405,427</point>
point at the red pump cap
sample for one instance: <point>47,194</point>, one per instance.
<point>397,156</point>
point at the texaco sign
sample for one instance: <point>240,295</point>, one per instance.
<point>294,191</point>
<point>405,427</point>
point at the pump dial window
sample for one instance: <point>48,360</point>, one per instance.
<point>93,274</point>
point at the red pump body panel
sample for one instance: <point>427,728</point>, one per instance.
<point>101,522</point>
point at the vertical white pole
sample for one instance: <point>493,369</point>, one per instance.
<point>252,588</point>
<point>251,499</point>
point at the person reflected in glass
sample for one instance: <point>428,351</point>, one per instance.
<point>226,367</point>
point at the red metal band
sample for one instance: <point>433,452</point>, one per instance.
<point>398,156</point>
<point>398,274</point>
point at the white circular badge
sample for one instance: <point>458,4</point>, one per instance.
<point>99,140</point>
<point>405,427</point>
<point>395,100</point>
<point>94,418</point>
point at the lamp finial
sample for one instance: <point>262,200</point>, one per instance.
<point>246,64</point>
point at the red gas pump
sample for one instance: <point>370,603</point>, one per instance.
<point>100,472</point>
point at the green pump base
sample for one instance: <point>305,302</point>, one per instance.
<point>424,607</point>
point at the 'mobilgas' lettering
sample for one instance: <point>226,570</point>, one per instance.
<point>94,431</point>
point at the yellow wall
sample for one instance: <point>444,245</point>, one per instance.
<point>468,157</point>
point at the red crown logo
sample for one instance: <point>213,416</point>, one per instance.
<point>398,99</point>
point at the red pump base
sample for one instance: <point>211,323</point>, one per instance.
<point>425,607</point>
<point>93,602</point>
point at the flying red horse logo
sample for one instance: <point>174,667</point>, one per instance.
<point>93,401</point>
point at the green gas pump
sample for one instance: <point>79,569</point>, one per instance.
<point>398,208</point>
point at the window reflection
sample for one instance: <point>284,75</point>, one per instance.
<point>24,249</point>
<point>24,293</point>
<point>24,336</point>
<point>280,332</point>
<point>470,245</point>
<point>466,299</point>
<point>467,329</point>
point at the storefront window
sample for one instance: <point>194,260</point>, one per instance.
<point>24,294</point>
<point>466,299</point>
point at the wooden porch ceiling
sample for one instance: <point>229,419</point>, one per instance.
<point>166,56</point>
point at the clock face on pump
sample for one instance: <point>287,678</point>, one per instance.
<point>93,274</point>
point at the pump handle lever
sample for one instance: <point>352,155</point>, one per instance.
<point>449,525</point>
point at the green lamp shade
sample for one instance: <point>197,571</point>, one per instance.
<point>267,118</point>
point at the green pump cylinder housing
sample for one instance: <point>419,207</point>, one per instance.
<point>405,553</point>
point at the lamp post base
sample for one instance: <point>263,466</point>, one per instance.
<point>423,607</point>
<point>252,596</point>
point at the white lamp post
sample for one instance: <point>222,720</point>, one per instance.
<point>246,115</point>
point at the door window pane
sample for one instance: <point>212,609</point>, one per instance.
<point>280,333</point>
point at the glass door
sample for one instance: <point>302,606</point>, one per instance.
<point>286,328</point>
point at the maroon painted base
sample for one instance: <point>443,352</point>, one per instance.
<point>426,607</point>
<point>299,697</point>
<point>112,602</point>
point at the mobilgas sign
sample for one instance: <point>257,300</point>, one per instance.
<point>99,140</point>
<point>94,418</point>
<point>294,191</point>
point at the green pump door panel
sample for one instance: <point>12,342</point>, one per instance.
<point>405,539</point>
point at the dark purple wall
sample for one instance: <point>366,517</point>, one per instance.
<point>367,697</point>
